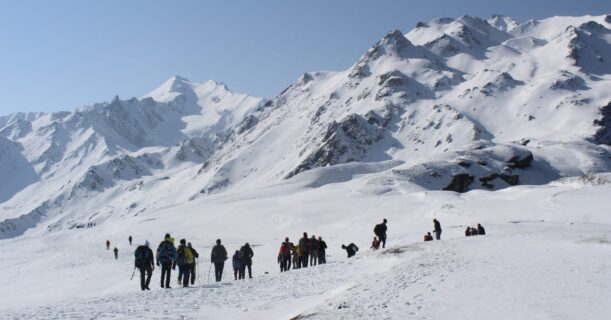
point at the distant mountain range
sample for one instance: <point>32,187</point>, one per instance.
<point>454,104</point>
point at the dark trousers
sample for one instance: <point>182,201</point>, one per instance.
<point>313,257</point>
<point>166,272</point>
<point>438,234</point>
<point>243,271</point>
<point>149,272</point>
<point>235,273</point>
<point>192,272</point>
<point>304,259</point>
<point>285,264</point>
<point>383,240</point>
<point>218,270</point>
<point>184,272</point>
<point>322,259</point>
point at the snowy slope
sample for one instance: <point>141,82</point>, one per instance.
<point>512,119</point>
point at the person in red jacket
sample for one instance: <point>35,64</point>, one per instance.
<point>375,244</point>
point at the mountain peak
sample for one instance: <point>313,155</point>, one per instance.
<point>503,23</point>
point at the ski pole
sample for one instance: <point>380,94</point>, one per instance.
<point>199,281</point>
<point>133,272</point>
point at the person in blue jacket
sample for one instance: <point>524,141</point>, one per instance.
<point>166,258</point>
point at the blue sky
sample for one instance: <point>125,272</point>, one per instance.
<point>58,55</point>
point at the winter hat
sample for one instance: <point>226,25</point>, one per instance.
<point>384,220</point>
<point>167,235</point>
<point>183,241</point>
<point>218,241</point>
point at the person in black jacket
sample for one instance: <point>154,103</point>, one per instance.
<point>192,266</point>
<point>145,263</point>
<point>380,232</point>
<point>480,230</point>
<point>246,255</point>
<point>237,266</point>
<point>351,249</point>
<point>130,240</point>
<point>468,232</point>
<point>218,257</point>
<point>437,229</point>
<point>322,251</point>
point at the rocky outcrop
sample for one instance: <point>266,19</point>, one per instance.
<point>460,183</point>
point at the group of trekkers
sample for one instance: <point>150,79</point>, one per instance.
<point>471,231</point>
<point>308,251</point>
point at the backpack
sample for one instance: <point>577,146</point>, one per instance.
<point>184,254</point>
<point>142,256</point>
<point>284,250</point>
<point>164,252</point>
<point>377,230</point>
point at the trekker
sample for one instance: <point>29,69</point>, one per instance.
<point>166,258</point>
<point>237,265</point>
<point>297,257</point>
<point>130,240</point>
<point>375,244</point>
<point>145,263</point>
<point>428,237</point>
<point>380,231</point>
<point>437,229</point>
<point>218,257</point>
<point>322,251</point>
<point>246,255</point>
<point>116,253</point>
<point>480,230</point>
<point>184,260</point>
<point>468,232</point>
<point>304,244</point>
<point>284,255</point>
<point>107,244</point>
<point>474,231</point>
<point>313,251</point>
<point>351,249</point>
<point>192,266</point>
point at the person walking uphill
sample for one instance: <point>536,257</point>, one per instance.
<point>322,251</point>
<point>246,255</point>
<point>237,265</point>
<point>192,267</point>
<point>218,257</point>
<point>284,255</point>
<point>380,231</point>
<point>184,260</point>
<point>107,244</point>
<point>116,253</point>
<point>437,229</point>
<point>130,240</point>
<point>304,244</point>
<point>166,258</point>
<point>145,263</point>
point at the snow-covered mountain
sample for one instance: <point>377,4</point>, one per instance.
<point>454,104</point>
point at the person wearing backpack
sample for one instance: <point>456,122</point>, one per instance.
<point>246,255</point>
<point>297,257</point>
<point>192,266</point>
<point>145,263</point>
<point>166,258</point>
<point>237,265</point>
<point>313,251</point>
<point>218,257</point>
<point>304,245</point>
<point>322,251</point>
<point>380,231</point>
<point>184,260</point>
<point>284,256</point>
<point>351,249</point>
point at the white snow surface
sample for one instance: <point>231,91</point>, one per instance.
<point>515,117</point>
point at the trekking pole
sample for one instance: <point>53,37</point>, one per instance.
<point>133,272</point>
<point>209,269</point>
<point>199,281</point>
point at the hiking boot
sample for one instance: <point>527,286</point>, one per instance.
<point>168,287</point>
<point>146,288</point>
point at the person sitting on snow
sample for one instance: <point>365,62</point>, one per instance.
<point>428,237</point>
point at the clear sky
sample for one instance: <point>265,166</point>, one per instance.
<point>58,55</point>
